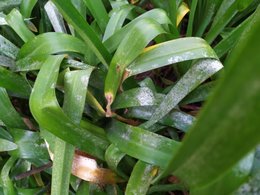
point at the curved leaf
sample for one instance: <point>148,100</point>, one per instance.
<point>46,110</point>
<point>141,178</point>
<point>8,186</point>
<point>73,17</point>
<point>26,7</point>
<point>136,40</point>
<point>52,43</point>
<point>142,96</point>
<point>170,52</point>
<point>15,20</point>
<point>74,100</point>
<point>141,144</point>
<point>157,15</point>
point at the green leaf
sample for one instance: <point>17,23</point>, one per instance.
<point>243,4</point>
<point>136,40</point>
<point>205,11</point>
<point>6,62</point>
<point>30,63</point>
<point>221,129</point>
<point>166,188</point>
<point>157,15</point>
<point>170,52</point>
<point>230,180</point>
<point>16,21</point>
<point>175,118</point>
<point>52,43</point>
<point>142,96</point>
<point>230,41</point>
<point>200,94</point>
<point>8,186</point>
<point>113,157</point>
<point>7,48</point>
<point>83,188</point>
<point>140,143</point>
<point>30,145</point>
<point>74,18</point>
<point>199,72</point>
<point>7,4</point>
<point>97,9</point>
<point>47,112</point>
<point>6,145</point>
<point>141,178</point>
<point>14,82</point>
<point>116,20</point>
<point>252,184</point>
<point>74,101</point>
<point>8,114</point>
<point>26,7</point>
<point>191,18</point>
<point>227,10</point>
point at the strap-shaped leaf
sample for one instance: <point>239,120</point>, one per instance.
<point>6,62</point>
<point>142,144</point>
<point>49,115</point>
<point>74,100</point>
<point>55,17</point>
<point>51,43</point>
<point>137,39</point>
<point>229,42</point>
<point>97,9</point>
<point>181,12</point>
<point>200,94</point>
<point>14,82</point>
<point>193,7</point>
<point>113,157</point>
<point>141,178</point>
<point>30,63</point>
<point>7,48</point>
<point>198,73</point>
<point>116,20</point>
<point>6,4</point>
<point>15,20</point>
<point>26,7</point>
<point>170,52</point>
<point>157,15</point>
<point>224,127</point>
<point>142,96</point>
<point>8,114</point>
<point>226,12</point>
<point>74,18</point>
<point>205,11</point>
<point>175,118</point>
<point>8,186</point>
